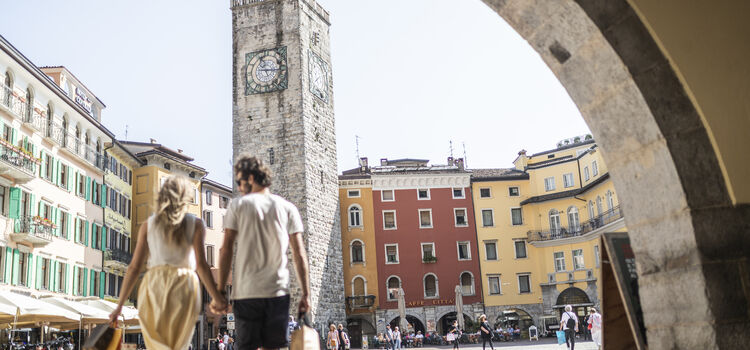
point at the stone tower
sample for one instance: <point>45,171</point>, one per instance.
<point>283,112</point>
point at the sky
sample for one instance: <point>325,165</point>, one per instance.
<point>409,77</point>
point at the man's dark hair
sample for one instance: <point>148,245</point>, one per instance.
<point>247,165</point>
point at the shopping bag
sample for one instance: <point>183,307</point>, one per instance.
<point>450,337</point>
<point>104,337</point>
<point>560,337</point>
<point>305,338</point>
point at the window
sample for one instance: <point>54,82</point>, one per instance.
<point>460,217</point>
<point>490,250</point>
<point>458,193</point>
<point>594,168</point>
<point>391,253</point>
<point>208,217</point>
<point>48,166</point>
<point>223,202</point>
<point>464,251</point>
<point>428,252</point>
<point>559,261</point>
<point>578,259</point>
<point>488,218</point>
<point>554,221</point>
<point>586,175</point>
<point>574,223</point>
<point>549,184</point>
<point>352,193</point>
<point>596,255</point>
<point>591,210</point>
<point>389,219</point>
<point>61,269</point>
<point>209,197</point>
<point>81,274</point>
<point>195,196</point>
<point>45,210</point>
<point>23,268</point>
<point>520,249</point>
<point>3,256</point>
<point>80,236</point>
<point>425,218</point>
<point>394,283</point>
<point>210,255</point>
<point>598,206</point>
<point>46,273</point>
<point>81,185</point>
<point>387,195</point>
<point>494,282</point>
<point>359,286</point>
<point>96,238</point>
<point>64,171</point>
<point>467,283</point>
<point>523,284</point>
<point>3,190</point>
<point>95,195</point>
<point>568,180</point>
<point>430,286</point>
<point>513,191</point>
<point>355,216</point>
<point>610,201</point>
<point>95,282</point>
<point>516,216</point>
<point>423,194</point>
<point>485,193</point>
<point>357,252</point>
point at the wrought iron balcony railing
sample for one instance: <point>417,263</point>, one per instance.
<point>18,160</point>
<point>360,301</point>
<point>118,255</point>
<point>11,102</point>
<point>597,222</point>
<point>32,230</point>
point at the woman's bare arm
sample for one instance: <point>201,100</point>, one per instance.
<point>204,271</point>
<point>134,269</point>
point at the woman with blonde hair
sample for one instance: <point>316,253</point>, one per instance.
<point>333,337</point>
<point>169,299</point>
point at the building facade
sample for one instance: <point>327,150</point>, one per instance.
<point>283,113</point>
<point>538,225</point>
<point>52,189</point>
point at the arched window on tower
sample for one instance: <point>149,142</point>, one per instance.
<point>574,223</point>
<point>430,286</point>
<point>357,252</point>
<point>467,283</point>
<point>359,286</point>
<point>355,216</point>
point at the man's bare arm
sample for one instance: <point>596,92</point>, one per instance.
<point>225,257</point>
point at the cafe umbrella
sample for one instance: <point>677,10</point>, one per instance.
<point>460,307</point>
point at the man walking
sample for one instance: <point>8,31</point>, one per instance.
<point>569,324</point>
<point>388,337</point>
<point>264,226</point>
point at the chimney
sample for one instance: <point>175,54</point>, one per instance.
<point>522,152</point>
<point>522,161</point>
<point>153,140</point>
<point>363,162</point>
<point>460,163</point>
<point>383,161</point>
<point>179,151</point>
<point>450,161</point>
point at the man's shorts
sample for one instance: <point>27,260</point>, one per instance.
<point>262,322</point>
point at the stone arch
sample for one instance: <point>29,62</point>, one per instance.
<point>657,147</point>
<point>416,321</point>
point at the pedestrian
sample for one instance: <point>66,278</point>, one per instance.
<point>396,338</point>
<point>569,324</point>
<point>264,226</point>
<point>595,320</point>
<point>381,340</point>
<point>456,333</point>
<point>225,338</point>
<point>486,331</point>
<point>173,242</point>
<point>333,338</point>
<point>222,345</point>
<point>292,324</point>
<point>343,338</point>
<point>388,337</point>
<point>586,328</point>
<point>230,344</point>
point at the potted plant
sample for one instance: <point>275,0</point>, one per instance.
<point>429,258</point>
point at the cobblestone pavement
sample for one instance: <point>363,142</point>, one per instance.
<point>544,344</point>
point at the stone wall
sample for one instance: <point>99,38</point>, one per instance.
<point>293,131</point>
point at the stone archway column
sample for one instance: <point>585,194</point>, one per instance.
<point>690,242</point>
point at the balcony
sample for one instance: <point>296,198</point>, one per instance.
<point>32,230</point>
<point>77,147</point>
<point>16,163</point>
<point>360,301</point>
<point>11,102</point>
<point>595,224</point>
<point>117,259</point>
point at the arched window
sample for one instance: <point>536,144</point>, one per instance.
<point>7,89</point>
<point>554,221</point>
<point>357,250</point>
<point>610,202</point>
<point>574,223</point>
<point>430,286</point>
<point>598,205</point>
<point>467,283</point>
<point>359,286</point>
<point>78,139</point>
<point>29,103</point>
<point>87,141</point>
<point>98,146</point>
<point>65,130</point>
<point>393,283</point>
<point>48,122</point>
<point>355,216</point>
<point>591,210</point>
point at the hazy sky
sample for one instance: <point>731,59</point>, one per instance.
<point>408,76</point>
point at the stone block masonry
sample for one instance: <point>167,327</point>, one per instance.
<point>293,130</point>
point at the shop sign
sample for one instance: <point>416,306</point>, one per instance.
<point>430,302</point>
<point>230,326</point>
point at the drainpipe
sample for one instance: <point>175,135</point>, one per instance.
<point>104,206</point>
<point>479,254</point>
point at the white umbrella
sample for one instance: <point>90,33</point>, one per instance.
<point>129,313</point>
<point>29,309</point>
<point>402,309</point>
<point>89,314</point>
<point>460,306</point>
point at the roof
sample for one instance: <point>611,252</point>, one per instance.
<point>76,79</point>
<point>564,194</point>
<point>141,147</point>
<point>494,174</point>
<point>125,150</point>
<point>216,184</point>
<point>572,145</point>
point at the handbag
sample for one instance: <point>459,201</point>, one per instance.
<point>104,337</point>
<point>305,338</point>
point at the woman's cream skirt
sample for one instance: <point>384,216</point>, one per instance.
<point>168,306</point>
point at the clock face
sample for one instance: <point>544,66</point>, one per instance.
<point>318,75</point>
<point>266,71</point>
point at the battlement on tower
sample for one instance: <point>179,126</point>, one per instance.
<point>312,3</point>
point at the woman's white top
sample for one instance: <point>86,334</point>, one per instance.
<point>164,252</point>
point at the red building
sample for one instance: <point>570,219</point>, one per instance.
<point>425,242</point>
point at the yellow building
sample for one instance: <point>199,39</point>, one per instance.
<point>360,262</point>
<point>118,231</point>
<point>159,163</point>
<point>538,227</point>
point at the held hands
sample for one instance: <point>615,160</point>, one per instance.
<point>219,305</point>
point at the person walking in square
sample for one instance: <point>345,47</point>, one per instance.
<point>173,242</point>
<point>343,338</point>
<point>396,338</point>
<point>264,226</point>
<point>486,331</point>
<point>569,324</point>
<point>456,332</point>
<point>388,337</point>
<point>595,320</point>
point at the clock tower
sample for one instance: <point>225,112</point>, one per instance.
<point>283,113</point>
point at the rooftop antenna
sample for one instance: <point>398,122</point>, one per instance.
<point>126,132</point>
<point>451,147</point>
<point>465,163</point>
<point>356,141</point>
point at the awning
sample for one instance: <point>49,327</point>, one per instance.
<point>88,314</point>
<point>129,313</point>
<point>19,308</point>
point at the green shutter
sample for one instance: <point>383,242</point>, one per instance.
<point>38,272</point>
<point>70,183</point>
<point>78,190</point>
<point>53,280</point>
<point>102,277</point>
<point>92,284</point>
<point>103,195</point>
<point>68,223</point>
<point>56,172</point>
<point>104,238</point>
<point>41,165</point>
<point>67,279</point>
<point>33,205</point>
<point>29,269</point>
<point>77,229</point>
<point>88,188</point>
<point>7,276</point>
<point>56,220</point>
<point>85,281</point>
<point>14,204</point>
<point>75,280</point>
<point>86,233</point>
<point>16,255</point>
<point>13,137</point>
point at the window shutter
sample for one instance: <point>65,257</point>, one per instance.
<point>8,264</point>
<point>70,183</point>
<point>75,280</point>
<point>78,190</point>
<point>67,223</point>
<point>13,136</point>
<point>67,279</point>
<point>56,218</point>
<point>42,173</point>
<point>33,205</point>
<point>14,206</point>
<point>93,292</point>
<point>85,281</point>
<point>86,233</point>
<point>88,188</point>
<point>101,284</point>
<point>53,275</point>
<point>29,269</point>
<point>103,196</point>
<point>103,238</point>
<point>39,272</point>
<point>57,172</point>
<point>77,229</point>
<point>16,255</point>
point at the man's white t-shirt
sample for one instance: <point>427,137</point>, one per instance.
<point>263,223</point>
<point>564,320</point>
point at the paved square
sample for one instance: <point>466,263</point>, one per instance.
<point>543,344</point>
